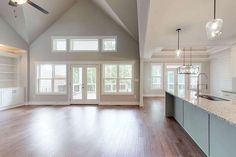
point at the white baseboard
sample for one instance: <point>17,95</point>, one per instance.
<point>153,95</point>
<point>121,103</point>
<point>11,107</point>
<point>51,103</point>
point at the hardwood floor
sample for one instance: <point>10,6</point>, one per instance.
<point>91,131</point>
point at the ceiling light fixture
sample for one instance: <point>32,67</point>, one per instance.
<point>214,27</point>
<point>19,2</point>
<point>178,51</point>
<point>188,69</point>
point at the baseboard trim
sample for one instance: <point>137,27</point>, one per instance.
<point>49,103</point>
<point>153,95</point>
<point>120,103</point>
<point>11,107</point>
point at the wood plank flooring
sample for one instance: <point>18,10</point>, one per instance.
<point>91,131</point>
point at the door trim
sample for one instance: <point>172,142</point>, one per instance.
<point>98,81</point>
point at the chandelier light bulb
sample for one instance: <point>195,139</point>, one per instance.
<point>178,53</point>
<point>19,1</point>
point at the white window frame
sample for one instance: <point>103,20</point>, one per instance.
<point>117,80</point>
<point>69,44</point>
<point>161,77</point>
<point>59,38</point>
<point>108,37</point>
<point>37,77</point>
<point>190,76</point>
<point>84,38</point>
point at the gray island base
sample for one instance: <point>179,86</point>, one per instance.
<point>205,123</point>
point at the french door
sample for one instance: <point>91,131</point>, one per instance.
<point>84,84</point>
<point>175,82</point>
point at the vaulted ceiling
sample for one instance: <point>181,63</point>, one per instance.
<point>30,23</point>
<point>165,16</point>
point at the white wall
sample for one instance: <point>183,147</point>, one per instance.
<point>84,19</point>
<point>221,72</point>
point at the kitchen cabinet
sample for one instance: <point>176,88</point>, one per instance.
<point>222,138</point>
<point>179,110</point>
<point>196,123</point>
<point>11,96</point>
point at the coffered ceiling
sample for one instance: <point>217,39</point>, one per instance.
<point>165,16</point>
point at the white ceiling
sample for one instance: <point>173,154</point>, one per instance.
<point>164,16</point>
<point>30,23</point>
<point>123,12</point>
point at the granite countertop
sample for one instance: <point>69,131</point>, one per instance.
<point>225,110</point>
<point>226,91</point>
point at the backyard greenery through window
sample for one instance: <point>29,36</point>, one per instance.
<point>51,78</point>
<point>118,78</point>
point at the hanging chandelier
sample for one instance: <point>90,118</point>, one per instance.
<point>214,27</point>
<point>188,69</point>
<point>178,51</point>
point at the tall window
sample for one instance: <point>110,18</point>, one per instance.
<point>156,76</point>
<point>117,78</point>
<point>193,80</point>
<point>51,78</point>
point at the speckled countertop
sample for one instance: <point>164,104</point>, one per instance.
<point>225,110</point>
<point>226,91</point>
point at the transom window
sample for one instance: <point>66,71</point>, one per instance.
<point>117,78</point>
<point>51,78</point>
<point>109,44</point>
<point>59,45</point>
<point>84,45</point>
<point>156,76</point>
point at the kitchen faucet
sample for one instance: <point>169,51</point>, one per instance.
<point>198,83</point>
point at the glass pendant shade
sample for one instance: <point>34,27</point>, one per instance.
<point>214,28</point>
<point>178,53</point>
<point>19,1</point>
<point>188,69</point>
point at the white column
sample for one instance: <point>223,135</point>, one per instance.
<point>141,83</point>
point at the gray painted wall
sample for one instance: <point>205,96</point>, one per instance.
<point>84,19</point>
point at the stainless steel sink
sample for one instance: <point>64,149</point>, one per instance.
<point>212,98</point>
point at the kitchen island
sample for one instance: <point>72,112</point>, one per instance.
<point>211,124</point>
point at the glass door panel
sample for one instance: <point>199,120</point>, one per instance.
<point>171,81</point>
<point>84,84</point>
<point>91,83</point>
<point>181,85</point>
<point>77,83</point>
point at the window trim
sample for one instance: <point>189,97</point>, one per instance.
<point>109,51</point>
<point>58,38</point>
<point>85,38</point>
<point>37,79</point>
<point>68,44</point>
<point>161,77</point>
<point>117,88</point>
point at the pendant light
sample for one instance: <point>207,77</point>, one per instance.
<point>188,69</point>
<point>178,51</point>
<point>214,27</point>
